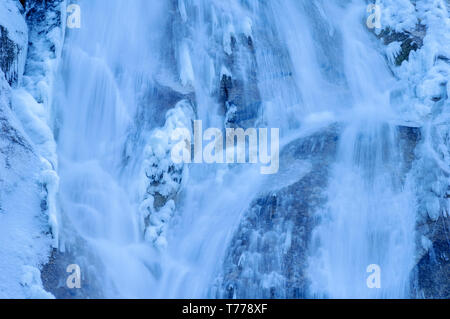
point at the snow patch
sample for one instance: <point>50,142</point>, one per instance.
<point>32,283</point>
<point>33,117</point>
<point>398,15</point>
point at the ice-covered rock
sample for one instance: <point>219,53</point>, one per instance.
<point>423,68</point>
<point>13,41</point>
<point>25,238</point>
<point>32,283</point>
<point>28,215</point>
<point>267,255</point>
<point>164,178</point>
<point>33,102</point>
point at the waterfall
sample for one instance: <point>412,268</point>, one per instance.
<point>297,66</point>
<point>369,218</point>
<point>104,65</point>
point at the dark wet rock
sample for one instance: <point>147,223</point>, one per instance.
<point>54,276</point>
<point>268,253</point>
<point>433,269</point>
<point>157,101</point>
<point>239,93</point>
<point>410,41</point>
<point>408,138</point>
<point>431,274</point>
<point>9,53</point>
<point>43,17</point>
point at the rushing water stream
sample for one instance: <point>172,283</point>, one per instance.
<point>315,62</point>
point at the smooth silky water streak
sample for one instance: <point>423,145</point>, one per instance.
<point>117,50</point>
<point>370,214</point>
<point>103,64</point>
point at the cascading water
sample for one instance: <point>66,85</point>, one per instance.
<point>381,232</point>
<point>102,71</point>
<point>369,218</point>
<point>310,62</point>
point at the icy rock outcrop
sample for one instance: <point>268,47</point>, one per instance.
<point>225,68</point>
<point>27,151</point>
<point>268,253</point>
<point>239,92</point>
<point>13,41</point>
<point>400,44</point>
<point>24,238</point>
<point>164,177</point>
<point>423,97</point>
<point>33,103</point>
<point>401,29</point>
<point>46,22</point>
<point>31,279</point>
<point>231,74</point>
<point>432,272</point>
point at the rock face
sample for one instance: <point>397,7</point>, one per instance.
<point>267,256</point>
<point>239,94</point>
<point>164,178</point>
<point>409,41</point>
<point>25,239</point>
<point>54,275</point>
<point>431,276</point>
<point>45,40</point>
<point>13,41</point>
<point>9,52</point>
<point>31,38</point>
<point>432,272</point>
<point>419,49</point>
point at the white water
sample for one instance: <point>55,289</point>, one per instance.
<point>369,217</point>
<point>103,68</point>
<point>336,73</point>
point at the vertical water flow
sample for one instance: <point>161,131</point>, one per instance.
<point>369,216</point>
<point>216,195</point>
<point>313,59</point>
<point>105,66</point>
<point>368,219</point>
